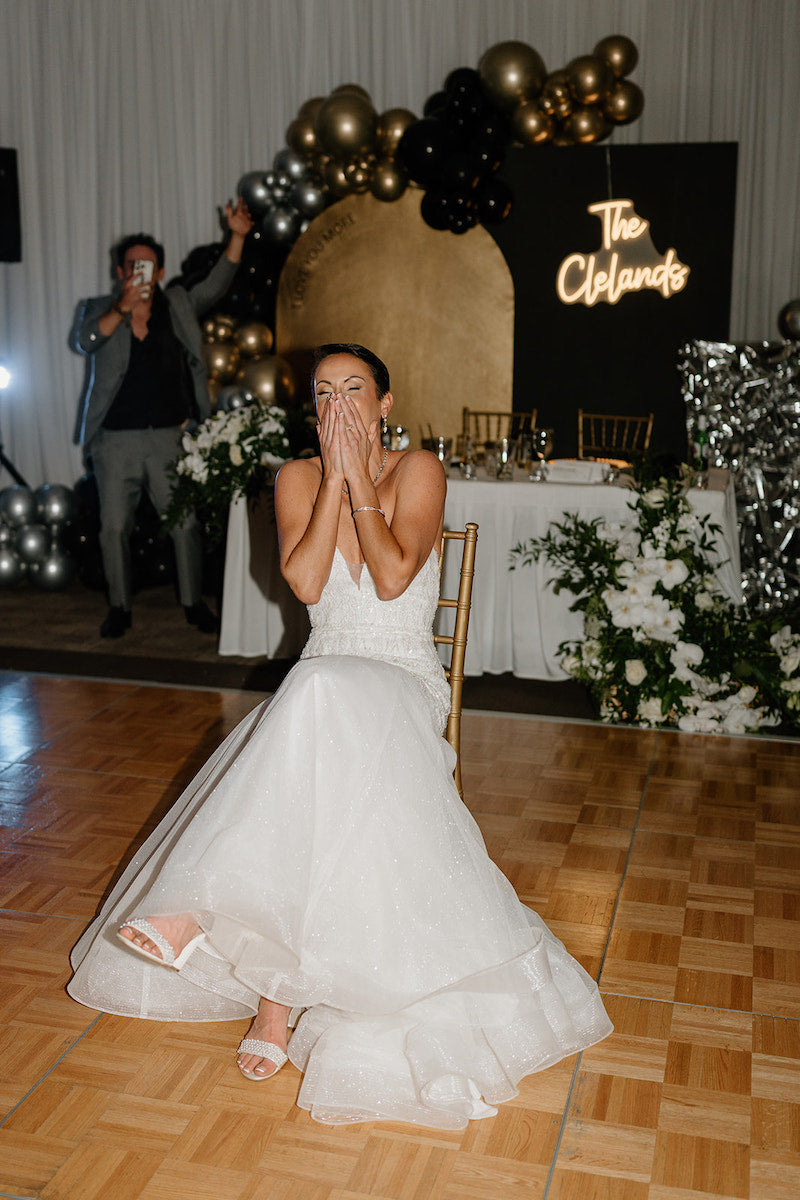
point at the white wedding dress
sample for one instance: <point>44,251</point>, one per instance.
<point>332,866</point>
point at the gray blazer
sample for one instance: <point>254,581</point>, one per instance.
<point>110,355</point>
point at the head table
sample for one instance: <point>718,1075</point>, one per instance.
<point>517,620</point>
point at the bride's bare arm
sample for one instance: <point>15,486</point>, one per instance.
<point>394,551</point>
<point>308,500</point>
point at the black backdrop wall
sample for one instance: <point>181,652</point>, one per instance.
<point>10,232</point>
<point>618,358</point>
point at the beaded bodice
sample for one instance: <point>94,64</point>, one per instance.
<point>349,618</point>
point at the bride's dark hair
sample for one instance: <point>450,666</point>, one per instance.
<point>378,368</point>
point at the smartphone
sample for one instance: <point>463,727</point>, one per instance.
<point>143,269</point>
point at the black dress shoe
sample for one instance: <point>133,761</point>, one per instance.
<point>115,624</point>
<point>201,615</point>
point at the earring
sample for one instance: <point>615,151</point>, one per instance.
<point>384,423</point>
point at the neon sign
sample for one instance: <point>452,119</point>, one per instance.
<point>627,261</point>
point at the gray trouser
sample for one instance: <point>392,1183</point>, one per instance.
<point>125,461</point>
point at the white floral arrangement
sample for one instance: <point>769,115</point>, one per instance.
<point>662,645</point>
<point>231,454</point>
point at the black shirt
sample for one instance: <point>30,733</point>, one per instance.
<point>154,392</point>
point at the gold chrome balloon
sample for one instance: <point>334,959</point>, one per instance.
<point>301,137</point>
<point>346,125</point>
<point>624,104</point>
<point>352,89</point>
<point>586,125</point>
<point>619,52</point>
<point>311,107</point>
<point>254,339</point>
<point>392,124</point>
<point>590,78</point>
<point>336,181</point>
<point>530,125</point>
<point>218,328</point>
<point>270,380</point>
<point>221,360</point>
<point>388,181</point>
<point>556,98</point>
<point>511,72</point>
<point>358,175</point>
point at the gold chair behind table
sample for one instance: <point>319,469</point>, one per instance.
<point>603,435</point>
<point>481,426</point>
<point>458,641</point>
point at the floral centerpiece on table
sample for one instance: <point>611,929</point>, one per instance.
<point>662,645</point>
<point>229,455</point>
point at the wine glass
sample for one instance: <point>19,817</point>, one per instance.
<point>542,448</point>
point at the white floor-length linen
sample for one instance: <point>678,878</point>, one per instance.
<point>332,866</point>
<point>129,116</point>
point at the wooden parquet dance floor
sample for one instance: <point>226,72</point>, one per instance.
<point>668,864</point>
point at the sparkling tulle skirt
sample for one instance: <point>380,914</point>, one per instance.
<point>332,866</point>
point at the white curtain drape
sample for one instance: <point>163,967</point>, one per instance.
<point>143,114</point>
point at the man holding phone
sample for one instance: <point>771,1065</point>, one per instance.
<point>147,380</point>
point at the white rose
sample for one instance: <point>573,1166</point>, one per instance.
<point>746,694</point>
<point>635,671</point>
<point>791,685</point>
<point>654,498</point>
<point>570,663</point>
<point>650,710</point>
<point>235,454</point>
<point>704,601</point>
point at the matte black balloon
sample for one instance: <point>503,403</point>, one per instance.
<point>490,152</point>
<point>433,209</point>
<point>462,80</point>
<point>461,171</point>
<point>422,150</point>
<point>435,105</point>
<point>494,201</point>
<point>494,125</point>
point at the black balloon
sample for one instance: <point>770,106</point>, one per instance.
<point>433,209</point>
<point>489,150</point>
<point>462,80</point>
<point>461,171</point>
<point>435,105</point>
<point>494,201</point>
<point>422,150</point>
<point>789,320</point>
<point>254,190</point>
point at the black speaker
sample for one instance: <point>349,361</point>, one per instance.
<point>10,231</point>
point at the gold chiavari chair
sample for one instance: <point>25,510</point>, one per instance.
<point>458,641</point>
<point>482,426</point>
<point>603,435</point>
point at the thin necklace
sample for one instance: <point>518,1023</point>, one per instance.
<point>346,489</point>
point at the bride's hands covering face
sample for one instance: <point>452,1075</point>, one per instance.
<point>349,413</point>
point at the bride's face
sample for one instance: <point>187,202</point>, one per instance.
<point>346,375</point>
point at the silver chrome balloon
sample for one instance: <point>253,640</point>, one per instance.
<point>281,225</point>
<point>54,503</point>
<point>33,542</point>
<point>17,506</point>
<point>307,198</point>
<point>287,162</point>
<point>12,568</point>
<point>53,572</point>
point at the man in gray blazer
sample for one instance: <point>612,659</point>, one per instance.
<point>147,379</point>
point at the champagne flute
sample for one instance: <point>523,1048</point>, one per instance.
<point>543,448</point>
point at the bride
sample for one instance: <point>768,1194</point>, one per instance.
<point>322,860</point>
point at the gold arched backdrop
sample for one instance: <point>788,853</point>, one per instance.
<point>437,308</point>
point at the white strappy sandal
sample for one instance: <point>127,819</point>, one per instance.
<point>168,957</point>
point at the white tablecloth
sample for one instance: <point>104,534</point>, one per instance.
<point>517,621</point>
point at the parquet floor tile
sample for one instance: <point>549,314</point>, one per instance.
<point>669,865</point>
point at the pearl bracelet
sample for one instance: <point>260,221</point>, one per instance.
<point>369,508</point>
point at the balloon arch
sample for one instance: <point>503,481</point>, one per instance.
<point>339,144</point>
